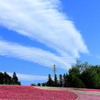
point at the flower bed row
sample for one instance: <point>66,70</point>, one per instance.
<point>89,89</point>
<point>13,92</point>
<point>84,96</point>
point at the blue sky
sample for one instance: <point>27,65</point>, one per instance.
<point>36,34</point>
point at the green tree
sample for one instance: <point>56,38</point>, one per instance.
<point>33,84</point>
<point>77,82</point>
<point>14,78</point>
<point>44,84</point>
<point>50,81</point>
<point>60,80</point>
<point>18,83</point>
<point>7,78</point>
<point>81,66</point>
<point>1,78</point>
<point>55,81</point>
<point>90,75</point>
<point>96,81</point>
<point>74,77</point>
<point>79,75</point>
<point>86,78</point>
<point>65,80</point>
<point>39,84</point>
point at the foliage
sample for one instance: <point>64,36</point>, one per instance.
<point>44,84</point>
<point>55,81</point>
<point>33,84</point>
<point>60,80</point>
<point>6,79</point>
<point>96,81</point>
<point>65,80</point>
<point>14,78</point>
<point>50,81</point>
<point>84,75</point>
<point>81,75</point>
<point>1,78</point>
<point>39,84</point>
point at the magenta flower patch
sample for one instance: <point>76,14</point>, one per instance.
<point>89,89</point>
<point>16,92</point>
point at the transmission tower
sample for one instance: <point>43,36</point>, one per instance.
<point>54,69</point>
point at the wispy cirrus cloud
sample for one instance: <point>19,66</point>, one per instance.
<point>41,20</point>
<point>33,54</point>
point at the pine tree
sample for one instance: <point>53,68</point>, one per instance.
<point>55,81</point>
<point>7,78</point>
<point>1,78</point>
<point>65,80</point>
<point>50,81</point>
<point>60,80</point>
<point>15,78</point>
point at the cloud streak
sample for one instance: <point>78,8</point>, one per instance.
<point>26,77</point>
<point>33,54</point>
<point>41,20</point>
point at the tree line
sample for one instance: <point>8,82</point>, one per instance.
<point>80,75</point>
<point>6,79</point>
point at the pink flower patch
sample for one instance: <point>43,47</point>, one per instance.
<point>89,89</point>
<point>30,93</point>
<point>82,96</point>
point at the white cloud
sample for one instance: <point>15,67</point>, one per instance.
<point>41,20</point>
<point>26,77</point>
<point>33,54</point>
